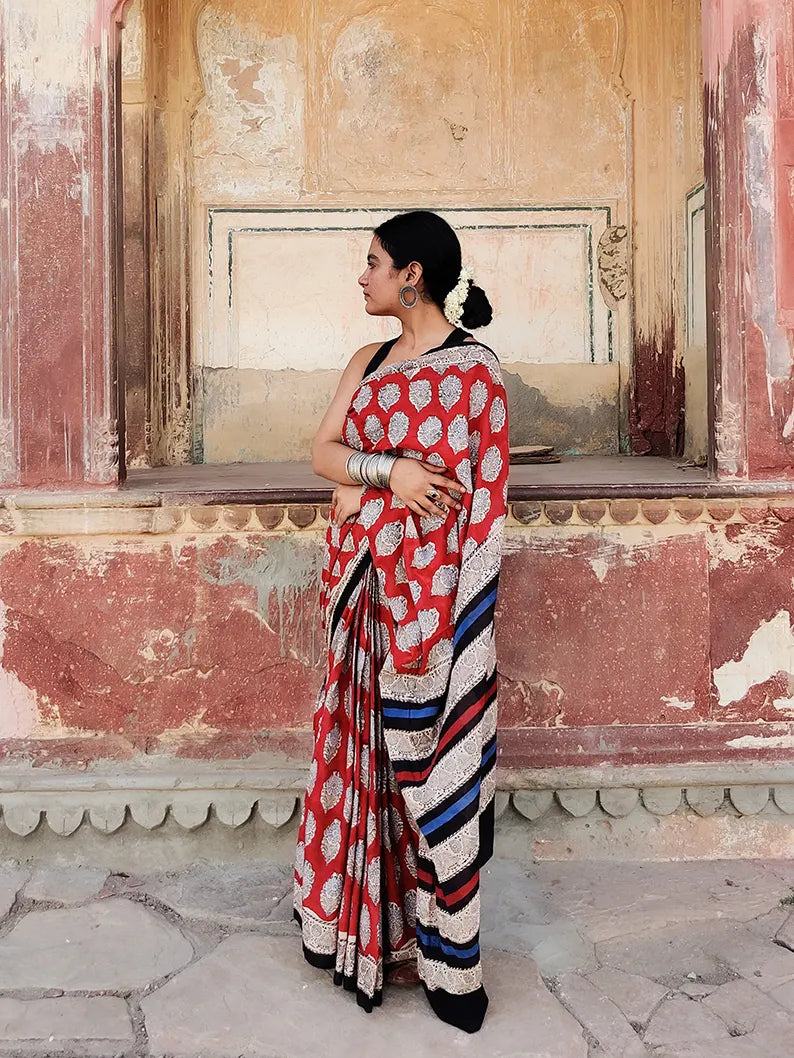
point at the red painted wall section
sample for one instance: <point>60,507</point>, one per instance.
<point>50,307</point>
<point>751,617</point>
<point>605,629</point>
<point>137,641</point>
<point>784,164</point>
<point>748,67</point>
<point>58,400</point>
<point>616,644</point>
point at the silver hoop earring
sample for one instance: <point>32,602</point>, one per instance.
<point>403,291</point>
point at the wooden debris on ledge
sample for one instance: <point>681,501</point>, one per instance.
<point>534,454</point>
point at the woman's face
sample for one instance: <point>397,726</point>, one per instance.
<point>381,281</point>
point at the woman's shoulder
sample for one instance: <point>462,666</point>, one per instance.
<point>365,352</point>
<point>360,360</point>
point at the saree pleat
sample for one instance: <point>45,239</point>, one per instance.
<point>355,872</point>
<point>398,816</point>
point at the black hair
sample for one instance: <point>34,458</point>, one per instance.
<point>427,238</point>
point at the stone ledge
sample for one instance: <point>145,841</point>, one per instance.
<point>66,801</point>
<point>22,517</point>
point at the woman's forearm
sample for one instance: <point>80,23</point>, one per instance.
<point>329,459</point>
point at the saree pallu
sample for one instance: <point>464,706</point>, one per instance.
<point>398,815</point>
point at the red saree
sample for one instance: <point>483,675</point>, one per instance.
<point>398,814</point>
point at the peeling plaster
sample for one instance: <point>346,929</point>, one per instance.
<point>248,128</point>
<point>676,703</point>
<point>18,703</point>
<point>286,570</point>
<point>770,650</point>
<point>748,544</point>
<point>44,40</point>
<point>759,131</point>
<point>761,742</point>
<point>191,726</point>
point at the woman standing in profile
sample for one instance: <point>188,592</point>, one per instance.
<point>398,816</point>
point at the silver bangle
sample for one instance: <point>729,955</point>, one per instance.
<point>370,468</point>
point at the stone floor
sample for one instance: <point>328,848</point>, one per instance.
<point>582,960</point>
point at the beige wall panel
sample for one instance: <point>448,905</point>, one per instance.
<point>132,53</point>
<point>283,291</point>
<point>247,137</point>
<point>410,95</point>
<point>254,415</point>
<point>571,406</point>
<point>296,301</point>
<point>570,108</point>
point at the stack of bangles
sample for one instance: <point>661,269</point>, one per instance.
<point>370,468</point>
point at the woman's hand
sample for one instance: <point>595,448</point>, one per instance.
<point>346,501</point>
<point>424,488</point>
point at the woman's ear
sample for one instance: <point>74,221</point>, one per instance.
<point>413,273</point>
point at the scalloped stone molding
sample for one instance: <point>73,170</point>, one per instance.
<point>81,515</point>
<point>65,802</point>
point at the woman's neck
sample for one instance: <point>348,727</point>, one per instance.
<point>423,327</point>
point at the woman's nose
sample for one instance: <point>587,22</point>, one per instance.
<point>362,279</point>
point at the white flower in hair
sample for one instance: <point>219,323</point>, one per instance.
<point>453,302</point>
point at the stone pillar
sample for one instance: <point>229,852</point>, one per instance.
<point>59,388</point>
<point>175,87</point>
<point>748,60</point>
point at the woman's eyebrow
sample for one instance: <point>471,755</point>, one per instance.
<point>372,257</point>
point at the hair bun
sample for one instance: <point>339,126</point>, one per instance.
<point>477,311</point>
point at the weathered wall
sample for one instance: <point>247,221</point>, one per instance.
<point>135,339</point>
<point>653,632</point>
<point>552,107</point>
<point>749,74</point>
<point>58,408</point>
<point>662,73</point>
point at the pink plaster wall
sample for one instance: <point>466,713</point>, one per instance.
<point>616,644</point>
<point>748,58</point>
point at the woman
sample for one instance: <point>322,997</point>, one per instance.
<point>398,815</point>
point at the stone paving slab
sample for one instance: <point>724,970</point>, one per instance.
<point>273,1004</point>
<point>97,1026</point>
<point>12,879</point>
<point>743,1008</point>
<point>239,896</point>
<point>603,1020</point>
<point>518,917</point>
<point>64,885</point>
<point>108,945</point>
<point>668,956</point>
<point>683,1020</point>
<point>766,965</point>
<point>608,900</point>
<point>772,1043</point>
<point>636,997</point>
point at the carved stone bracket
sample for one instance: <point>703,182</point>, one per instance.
<point>58,515</point>
<point>613,263</point>
<point>744,800</point>
<point>108,804</point>
<point>103,451</point>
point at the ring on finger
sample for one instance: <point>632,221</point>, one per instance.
<point>432,494</point>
